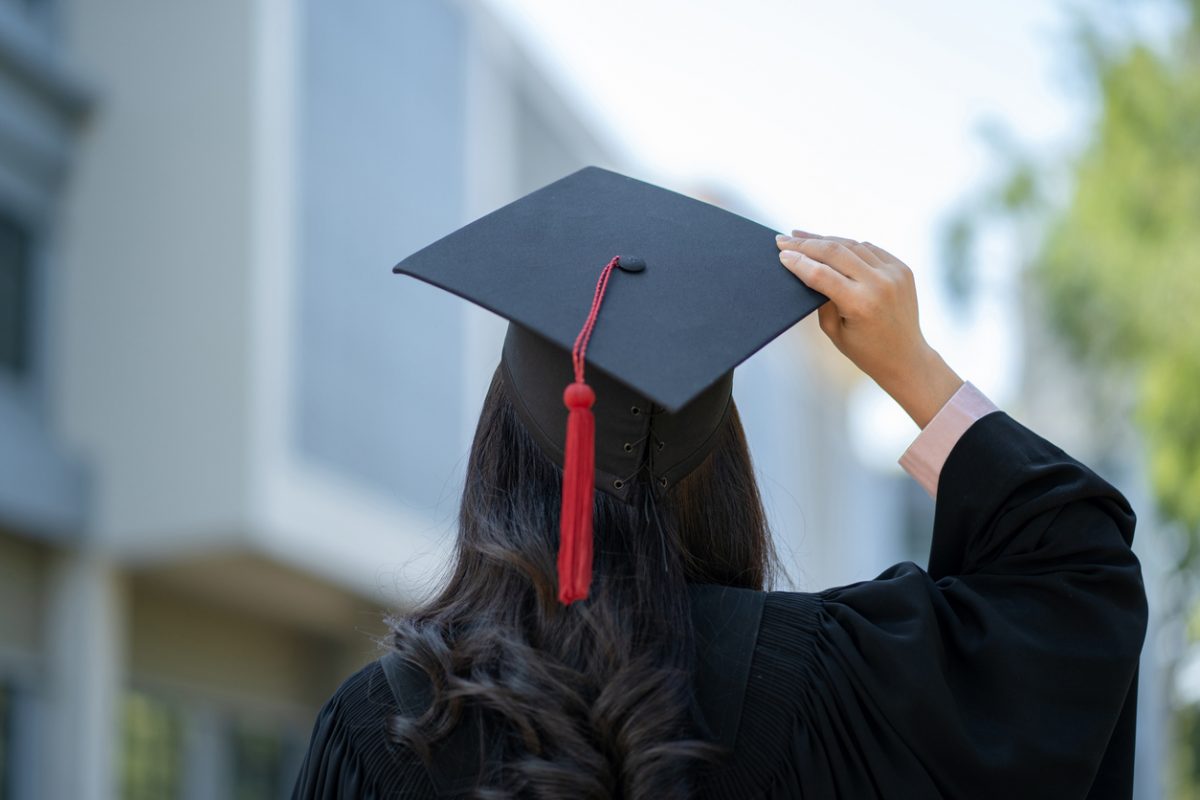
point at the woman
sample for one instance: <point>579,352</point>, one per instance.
<point>1007,669</point>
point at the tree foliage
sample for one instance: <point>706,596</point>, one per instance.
<point>1118,260</point>
<point>1121,263</point>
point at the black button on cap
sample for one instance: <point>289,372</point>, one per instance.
<point>632,264</point>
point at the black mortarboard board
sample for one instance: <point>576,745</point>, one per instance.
<point>700,290</point>
<point>712,294</point>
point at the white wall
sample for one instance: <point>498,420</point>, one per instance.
<point>153,304</point>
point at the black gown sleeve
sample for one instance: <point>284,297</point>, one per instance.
<point>1007,670</point>
<point>351,755</point>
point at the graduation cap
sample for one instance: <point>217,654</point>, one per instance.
<point>655,295</point>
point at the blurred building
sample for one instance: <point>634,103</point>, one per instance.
<point>229,437</point>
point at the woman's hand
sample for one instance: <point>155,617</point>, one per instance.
<point>871,317</point>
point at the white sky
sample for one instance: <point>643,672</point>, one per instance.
<point>855,119</point>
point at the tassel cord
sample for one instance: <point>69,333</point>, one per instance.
<point>579,464</point>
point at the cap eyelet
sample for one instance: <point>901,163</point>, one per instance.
<point>635,411</point>
<point>618,483</point>
<point>628,447</point>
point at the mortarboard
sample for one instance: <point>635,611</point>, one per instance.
<point>658,295</point>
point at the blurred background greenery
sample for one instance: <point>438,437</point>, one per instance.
<point>1113,262</point>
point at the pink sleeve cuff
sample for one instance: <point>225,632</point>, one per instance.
<point>924,458</point>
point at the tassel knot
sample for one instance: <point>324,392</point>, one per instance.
<point>579,396</point>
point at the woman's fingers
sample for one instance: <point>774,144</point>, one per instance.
<point>874,256</point>
<point>836,254</point>
<point>817,276</point>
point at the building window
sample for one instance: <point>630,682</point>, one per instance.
<point>259,762</point>
<point>16,296</point>
<point>152,752</point>
<point>38,10</point>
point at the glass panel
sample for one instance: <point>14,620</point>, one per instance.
<point>258,765</point>
<point>14,296</point>
<point>152,752</point>
<point>37,9</point>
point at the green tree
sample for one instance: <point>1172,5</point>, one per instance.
<point>1118,258</point>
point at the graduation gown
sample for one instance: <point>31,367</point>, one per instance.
<point>1007,669</point>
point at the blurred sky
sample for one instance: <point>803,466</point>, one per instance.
<point>857,119</point>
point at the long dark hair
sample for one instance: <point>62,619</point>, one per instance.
<point>590,700</point>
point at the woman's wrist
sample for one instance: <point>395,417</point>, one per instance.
<point>923,386</point>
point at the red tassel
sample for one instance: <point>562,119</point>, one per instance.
<point>575,549</point>
<point>579,466</point>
